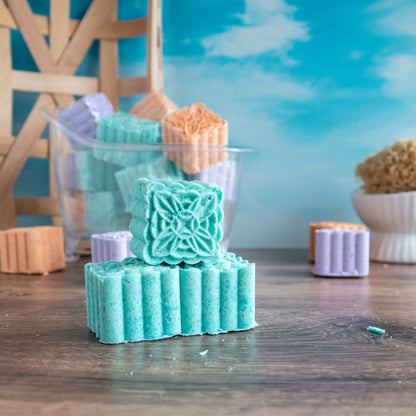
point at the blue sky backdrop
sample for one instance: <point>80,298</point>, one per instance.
<point>314,86</point>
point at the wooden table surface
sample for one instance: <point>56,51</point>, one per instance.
<point>310,354</point>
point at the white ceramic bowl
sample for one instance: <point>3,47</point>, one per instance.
<point>391,219</point>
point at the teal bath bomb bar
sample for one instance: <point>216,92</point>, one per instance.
<point>125,128</point>
<point>132,301</point>
<point>95,174</point>
<point>159,168</point>
<point>175,221</point>
<point>104,211</point>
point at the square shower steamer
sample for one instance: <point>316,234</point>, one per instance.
<point>175,221</point>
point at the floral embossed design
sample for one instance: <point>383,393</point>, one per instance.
<point>185,225</point>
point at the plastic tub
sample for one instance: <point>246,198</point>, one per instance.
<point>93,178</point>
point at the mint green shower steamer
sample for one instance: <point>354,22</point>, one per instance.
<point>159,168</point>
<point>132,301</point>
<point>175,221</point>
<point>126,128</point>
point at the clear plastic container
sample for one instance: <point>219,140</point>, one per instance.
<point>93,178</point>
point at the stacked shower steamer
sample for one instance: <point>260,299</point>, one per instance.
<point>102,178</point>
<point>180,283</point>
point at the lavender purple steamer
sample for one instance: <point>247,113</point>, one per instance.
<point>111,246</point>
<point>71,171</point>
<point>222,174</point>
<point>83,115</point>
<point>342,253</point>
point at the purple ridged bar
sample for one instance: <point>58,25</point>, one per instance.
<point>222,174</point>
<point>342,253</point>
<point>111,246</point>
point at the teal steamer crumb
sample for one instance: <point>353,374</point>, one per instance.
<point>376,330</point>
<point>132,301</point>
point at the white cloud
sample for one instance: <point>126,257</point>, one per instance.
<point>400,21</point>
<point>282,184</point>
<point>383,5</point>
<point>266,26</point>
<point>243,81</point>
<point>398,72</point>
<point>356,55</point>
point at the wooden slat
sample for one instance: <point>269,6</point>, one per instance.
<point>22,145</point>
<point>7,206</point>
<point>8,210</point>
<point>122,29</point>
<point>36,43</point>
<point>132,86</point>
<point>39,148</point>
<point>68,64</point>
<point>6,97</point>
<point>109,65</point>
<point>58,39</point>
<point>53,83</point>
<point>108,30</point>
<point>154,45</point>
<point>59,27</point>
<point>97,13</point>
<point>37,206</point>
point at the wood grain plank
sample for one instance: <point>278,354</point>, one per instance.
<point>109,65</point>
<point>154,46</point>
<point>310,354</point>
<point>53,83</point>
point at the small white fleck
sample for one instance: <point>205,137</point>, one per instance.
<point>7,325</point>
<point>131,373</point>
<point>230,369</point>
<point>355,306</point>
<point>397,346</point>
<point>174,358</point>
<point>150,355</point>
<point>203,352</point>
<point>37,335</point>
<point>173,373</point>
<point>151,366</point>
<point>222,340</point>
<point>6,315</point>
<point>206,362</point>
<point>44,319</point>
<point>400,382</point>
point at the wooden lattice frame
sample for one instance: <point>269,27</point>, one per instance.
<point>69,41</point>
